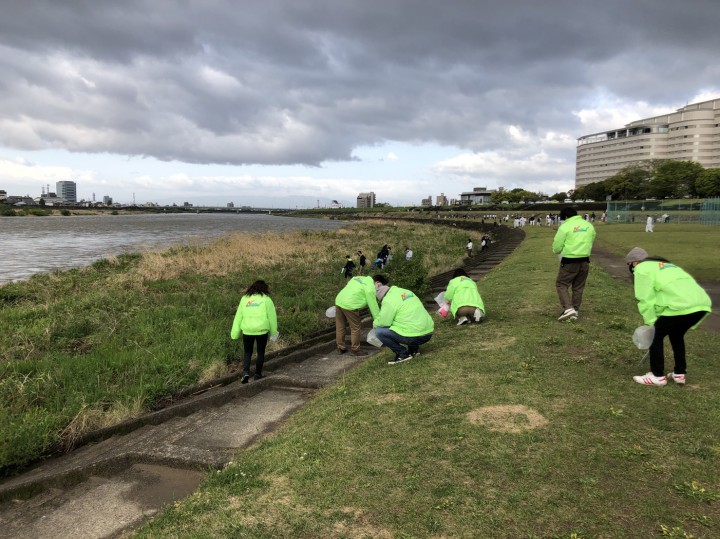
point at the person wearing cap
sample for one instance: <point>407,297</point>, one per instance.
<point>403,324</point>
<point>465,301</point>
<point>573,242</point>
<point>672,301</point>
<point>358,293</point>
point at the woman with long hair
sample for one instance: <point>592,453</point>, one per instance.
<point>255,319</point>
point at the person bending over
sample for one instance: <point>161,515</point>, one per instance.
<point>672,301</point>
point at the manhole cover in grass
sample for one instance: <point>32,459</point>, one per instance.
<point>507,418</point>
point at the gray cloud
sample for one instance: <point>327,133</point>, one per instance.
<point>281,82</point>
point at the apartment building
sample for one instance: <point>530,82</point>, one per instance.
<point>692,133</point>
<point>66,190</point>
<point>366,200</point>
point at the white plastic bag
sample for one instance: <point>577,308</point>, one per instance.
<point>444,309</point>
<point>372,339</point>
<point>275,337</point>
<point>643,337</point>
<point>440,298</point>
<point>330,312</point>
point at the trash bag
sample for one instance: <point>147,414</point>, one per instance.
<point>643,337</point>
<point>372,339</point>
<point>330,312</point>
<point>440,298</point>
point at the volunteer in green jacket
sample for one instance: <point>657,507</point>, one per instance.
<point>671,300</point>
<point>255,319</point>
<point>464,297</point>
<point>358,293</point>
<point>573,241</point>
<point>403,320</point>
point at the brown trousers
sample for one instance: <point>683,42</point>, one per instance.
<point>468,312</point>
<point>345,317</point>
<point>572,276</point>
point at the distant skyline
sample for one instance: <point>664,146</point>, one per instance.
<point>284,104</point>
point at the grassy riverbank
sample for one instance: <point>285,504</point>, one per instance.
<point>519,427</point>
<point>87,348</point>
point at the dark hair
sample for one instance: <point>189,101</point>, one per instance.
<point>258,287</point>
<point>459,273</point>
<point>568,212</point>
<point>380,279</point>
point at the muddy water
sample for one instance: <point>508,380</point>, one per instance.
<point>30,245</point>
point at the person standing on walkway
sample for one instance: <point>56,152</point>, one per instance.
<point>672,301</point>
<point>255,319</point>
<point>362,262</point>
<point>649,224</point>
<point>359,292</point>
<point>573,242</point>
<point>464,297</point>
<point>403,321</point>
<point>469,247</point>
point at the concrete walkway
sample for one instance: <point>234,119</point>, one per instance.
<point>99,490</point>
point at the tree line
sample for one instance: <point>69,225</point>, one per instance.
<point>655,179</point>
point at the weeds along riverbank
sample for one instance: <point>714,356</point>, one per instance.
<point>521,426</point>
<point>90,347</point>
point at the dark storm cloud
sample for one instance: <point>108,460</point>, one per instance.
<point>272,82</point>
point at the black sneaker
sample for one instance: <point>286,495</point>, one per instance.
<point>414,353</point>
<point>245,378</point>
<point>341,350</point>
<point>258,376</point>
<point>399,359</point>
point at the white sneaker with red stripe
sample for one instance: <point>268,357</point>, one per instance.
<point>649,379</point>
<point>677,378</point>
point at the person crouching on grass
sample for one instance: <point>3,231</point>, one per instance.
<point>403,320</point>
<point>671,300</point>
<point>465,301</point>
<point>255,319</point>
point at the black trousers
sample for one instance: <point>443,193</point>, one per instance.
<point>248,344</point>
<point>674,327</point>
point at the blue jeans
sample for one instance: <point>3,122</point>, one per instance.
<point>394,341</point>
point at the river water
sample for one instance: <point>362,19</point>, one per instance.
<point>30,245</point>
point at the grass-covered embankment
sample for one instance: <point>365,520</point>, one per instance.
<point>88,348</point>
<point>520,427</point>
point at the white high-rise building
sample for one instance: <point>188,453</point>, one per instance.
<point>690,134</point>
<point>66,190</point>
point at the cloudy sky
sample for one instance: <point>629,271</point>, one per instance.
<point>298,102</point>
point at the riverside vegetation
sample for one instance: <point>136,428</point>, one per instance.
<point>88,348</point>
<point>519,427</point>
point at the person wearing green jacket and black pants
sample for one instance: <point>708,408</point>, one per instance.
<point>672,301</point>
<point>573,241</point>
<point>255,319</point>
<point>403,320</point>
<point>358,293</point>
<point>464,297</point>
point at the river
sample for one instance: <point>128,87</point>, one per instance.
<point>30,245</point>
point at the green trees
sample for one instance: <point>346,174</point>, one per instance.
<point>656,179</point>
<point>707,183</point>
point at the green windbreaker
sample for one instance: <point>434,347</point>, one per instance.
<point>574,238</point>
<point>359,293</point>
<point>404,313</point>
<point>463,292</point>
<point>255,315</point>
<point>663,289</point>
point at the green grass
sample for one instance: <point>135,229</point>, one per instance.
<point>693,247</point>
<point>398,451</point>
<point>88,348</point>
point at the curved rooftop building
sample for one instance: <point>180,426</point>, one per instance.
<point>690,134</point>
